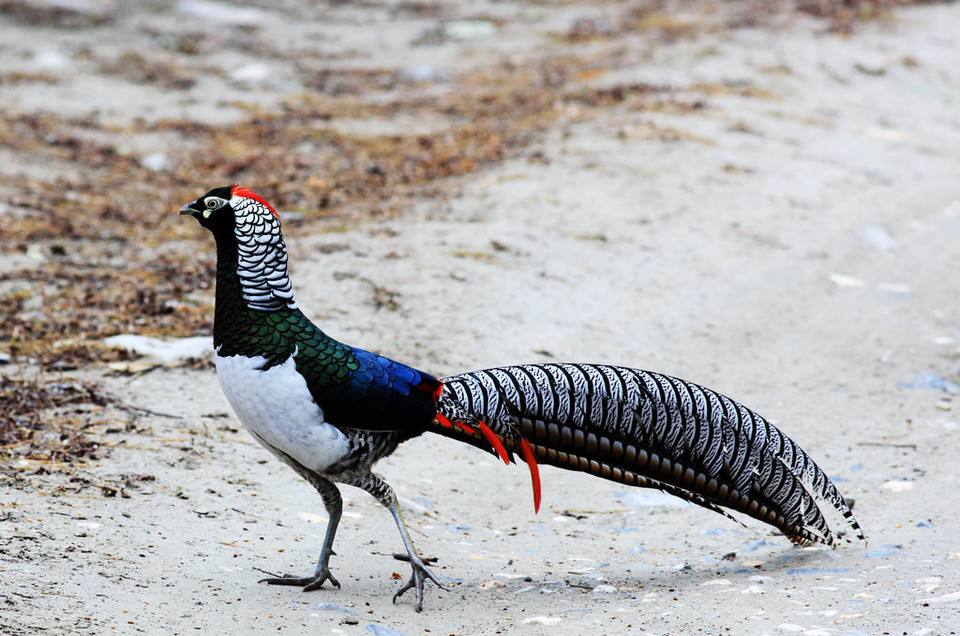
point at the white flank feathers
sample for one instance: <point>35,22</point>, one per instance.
<point>276,407</point>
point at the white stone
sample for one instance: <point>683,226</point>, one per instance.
<point>897,485</point>
<point>251,73</point>
<point>169,350</point>
<point>953,597</point>
<point>543,620</point>
<point>223,14</point>
<point>470,29</point>
<point>842,280</point>
<point>156,161</point>
<point>877,237</point>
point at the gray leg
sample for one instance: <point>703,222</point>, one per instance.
<point>382,492</point>
<point>334,505</point>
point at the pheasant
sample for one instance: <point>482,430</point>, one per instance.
<point>330,411</point>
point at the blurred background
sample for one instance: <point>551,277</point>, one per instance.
<point>761,196</point>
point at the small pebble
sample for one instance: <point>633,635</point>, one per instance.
<point>156,162</point>
<point>897,485</point>
<point>221,13</point>
<point>492,585</point>
<point>542,620</point>
<point>877,237</point>
<point>469,29</point>
<point>842,280</point>
<point>894,288</point>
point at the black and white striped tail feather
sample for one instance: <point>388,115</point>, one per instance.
<point>699,444</point>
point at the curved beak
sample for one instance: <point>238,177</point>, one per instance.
<point>188,208</point>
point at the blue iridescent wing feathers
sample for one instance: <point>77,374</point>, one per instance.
<point>379,394</point>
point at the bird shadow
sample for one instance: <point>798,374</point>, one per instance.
<point>788,562</point>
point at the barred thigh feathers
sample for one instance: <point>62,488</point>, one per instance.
<point>652,430</point>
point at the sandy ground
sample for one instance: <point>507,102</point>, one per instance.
<point>793,246</point>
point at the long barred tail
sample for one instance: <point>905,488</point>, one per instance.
<point>645,429</point>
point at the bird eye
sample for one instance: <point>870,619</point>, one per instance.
<point>211,204</point>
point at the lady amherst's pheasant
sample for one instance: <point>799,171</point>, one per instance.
<point>330,411</point>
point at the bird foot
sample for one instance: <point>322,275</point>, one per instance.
<point>308,583</point>
<point>420,575</point>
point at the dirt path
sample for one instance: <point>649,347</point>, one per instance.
<point>783,229</point>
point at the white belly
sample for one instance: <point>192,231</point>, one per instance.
<point>276,407</point>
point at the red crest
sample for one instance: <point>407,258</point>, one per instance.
<point>239,191</point>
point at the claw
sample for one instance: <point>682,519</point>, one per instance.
<point>320,579</point>
<point>308,583</point>
<point>418,577</point>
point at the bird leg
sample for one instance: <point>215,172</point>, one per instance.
<point>383,493</point>
<point>334,505</point>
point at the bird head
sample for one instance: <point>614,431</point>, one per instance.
<point>247,231</point>
<point>217,210</point>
